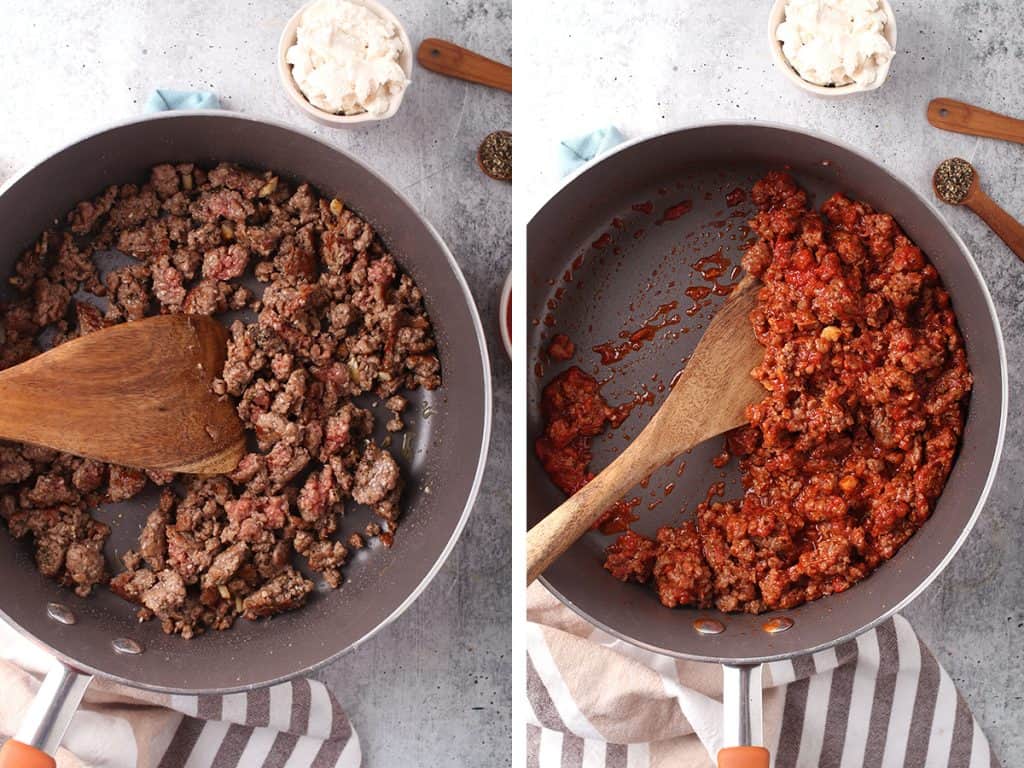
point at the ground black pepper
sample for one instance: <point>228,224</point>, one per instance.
<point>953,180</point>
<point>495,155</point>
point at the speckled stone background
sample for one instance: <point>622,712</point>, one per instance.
<point>433,687</point>
<point>649,67</point>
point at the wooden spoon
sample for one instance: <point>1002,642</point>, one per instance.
<point>1003,224</point>
<point>960,117</point>
<point>447,58</point>
<point>710,397</point>
<point>136,394</point>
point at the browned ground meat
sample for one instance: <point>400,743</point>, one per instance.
<point>336,319</point>
<point>561,348</point>
<point>680,574</point>
<point>286,591</point>
<point>867,385</point>
<point>631,557</point>
<point>377,480</point>
<point>574,412</point>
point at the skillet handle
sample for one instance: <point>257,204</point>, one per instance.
<point>742,719</point>
<point>47,718</point>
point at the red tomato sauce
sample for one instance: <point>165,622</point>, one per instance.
<point>867,385</point>
<point>574,412</point>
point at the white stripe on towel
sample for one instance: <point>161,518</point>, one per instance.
<point>206,746</point>
<point>904,695</point>
<point>943,720</point>
<point>352,754</point>
<point>260,742</point>
<point>549,754</point>
<point>235,707</point>
<point>862,698</point>
<point>548,672</point>
<point>281,706</point>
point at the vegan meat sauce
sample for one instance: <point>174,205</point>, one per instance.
<point>844,459</point>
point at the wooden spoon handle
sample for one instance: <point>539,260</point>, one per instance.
<point>1002,223</point>
<point>450,59</point>
<point>553,535</point>
<point>960,117</point>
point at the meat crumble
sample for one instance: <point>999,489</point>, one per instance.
<point>866,384</point>
<point>331,317</point>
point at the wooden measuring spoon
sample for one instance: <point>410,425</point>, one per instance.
<point>453,60</point>
<point>1003,224</point>
<point>136,394</point>
<point>709,398</point>
<point>960,117</point>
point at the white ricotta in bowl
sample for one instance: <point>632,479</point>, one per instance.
<point>835,42</point>
<point>345,58</point>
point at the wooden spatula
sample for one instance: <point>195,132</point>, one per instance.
<point>709,398</point>
<point>453,60</point>
<point>136,394</point>
<point>961,117</point>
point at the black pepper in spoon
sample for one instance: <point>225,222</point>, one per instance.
<point>953,179</point>
<point>495,155</point>
<point>956,182</point>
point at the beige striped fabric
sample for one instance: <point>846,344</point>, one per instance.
<point>294,724</point>
<point>880,701</point>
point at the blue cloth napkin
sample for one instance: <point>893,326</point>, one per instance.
<point>572,153</point>
<point>162,100</point>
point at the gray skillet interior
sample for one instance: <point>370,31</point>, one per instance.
<point>702,164</point>
<point>443,460</point>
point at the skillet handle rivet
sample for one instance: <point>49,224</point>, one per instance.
<point>780,624</point>
<point>61,613</point>
<point>126,646</point>
<point>709,626</point>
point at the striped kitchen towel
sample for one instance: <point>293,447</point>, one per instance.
<point>881,700</point>
<point>293,724</point>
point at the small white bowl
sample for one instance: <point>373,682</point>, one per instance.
<point>778,15</point>
<point>504,310</point>
<point>284,69</point>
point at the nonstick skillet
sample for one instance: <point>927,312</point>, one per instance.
<point>603,258</point>
<point>443,462</point>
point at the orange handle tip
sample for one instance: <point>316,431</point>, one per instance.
<point>15,754</point>
<point>741,757</point>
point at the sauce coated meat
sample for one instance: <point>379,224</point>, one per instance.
<point>574,412</point>
<point>561,348</point>
<point>844,459</point>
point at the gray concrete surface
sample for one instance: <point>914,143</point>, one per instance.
<point>433,688</point>
<point>648,67</point>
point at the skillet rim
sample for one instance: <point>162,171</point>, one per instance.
<point>485,433</point>
<point>1003,382</point>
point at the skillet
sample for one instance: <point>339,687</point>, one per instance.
<point>450,430</point>
<point>598,263</point>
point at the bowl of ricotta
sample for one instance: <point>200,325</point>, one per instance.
<point>345,62</point>
<point>833,47</point>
